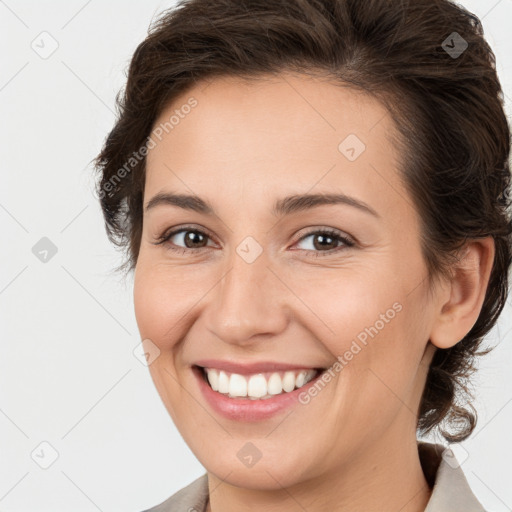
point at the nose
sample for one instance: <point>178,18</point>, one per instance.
<point>248,302</point>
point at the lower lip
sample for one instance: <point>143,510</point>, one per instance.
<point>245,409</point>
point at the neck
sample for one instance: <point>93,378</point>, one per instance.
<point>388,476</point>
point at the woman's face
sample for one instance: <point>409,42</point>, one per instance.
<point>258,280</point>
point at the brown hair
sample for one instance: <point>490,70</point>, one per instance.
<point>426,60</point>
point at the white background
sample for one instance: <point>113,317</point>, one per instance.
<point>68,375</point>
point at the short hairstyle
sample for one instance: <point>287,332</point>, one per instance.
<point>426,61</point>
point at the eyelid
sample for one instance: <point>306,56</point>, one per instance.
<point>323,230</point>
<point>347,240</point>
<point>164,237</point>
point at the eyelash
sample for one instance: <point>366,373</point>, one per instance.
<point>315,254</point>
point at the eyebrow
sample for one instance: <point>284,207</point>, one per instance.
<point>285,206</point>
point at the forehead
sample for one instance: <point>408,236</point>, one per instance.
<point>287,132</point>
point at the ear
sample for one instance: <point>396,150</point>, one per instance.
<point>460,300</point>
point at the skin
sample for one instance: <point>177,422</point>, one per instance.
<point>352,447</point>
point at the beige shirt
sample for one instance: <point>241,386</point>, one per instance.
<point>450,489</point>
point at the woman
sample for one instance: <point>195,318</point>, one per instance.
<point>313,197</point>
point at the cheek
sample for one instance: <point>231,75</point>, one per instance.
<point>373,326</point>
<point>163,299</point>
<point>349,304</point>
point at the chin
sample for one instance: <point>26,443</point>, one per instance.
<point>274,472</point>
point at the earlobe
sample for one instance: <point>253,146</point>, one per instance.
<point>460,303</point>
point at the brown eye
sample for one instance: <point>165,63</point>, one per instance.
<point>184,239</point>
<point>321,241</point>
<point>326,242</point>
<point>194,239</point>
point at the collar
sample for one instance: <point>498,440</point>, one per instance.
<point>450,489</point>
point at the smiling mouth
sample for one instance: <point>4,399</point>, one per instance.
<point>257,386</point>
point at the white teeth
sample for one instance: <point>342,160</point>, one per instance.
<point>237,385</point>
<point>275,384</point>
<point>289,381</point>
<point>213,379</point>
<point>257,386</point>
<point>299,381</point>
<point>223,382</point>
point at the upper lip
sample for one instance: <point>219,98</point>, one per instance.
<point>252,367</point>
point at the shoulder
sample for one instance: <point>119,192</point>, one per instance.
<point>192,498</point>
